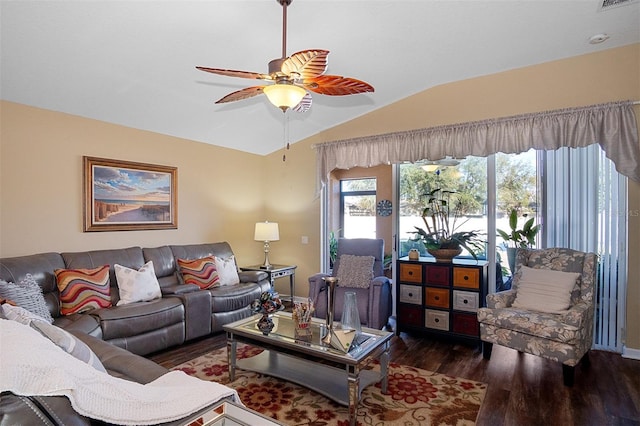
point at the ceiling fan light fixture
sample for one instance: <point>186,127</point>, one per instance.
<point>284,96</point>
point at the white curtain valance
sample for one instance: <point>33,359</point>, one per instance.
<point>612,125</point>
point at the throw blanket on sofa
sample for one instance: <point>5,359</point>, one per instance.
<point>30,364</point>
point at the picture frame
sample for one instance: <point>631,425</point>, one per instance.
<point>129,196</point>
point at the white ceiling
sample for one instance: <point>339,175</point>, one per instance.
<point>132,63</point>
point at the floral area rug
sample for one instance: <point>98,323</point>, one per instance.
<point>414,397</point>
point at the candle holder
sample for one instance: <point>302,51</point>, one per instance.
<point>331,283</point>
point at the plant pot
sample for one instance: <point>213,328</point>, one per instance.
<point>511,258</point>
<point>445,254</point>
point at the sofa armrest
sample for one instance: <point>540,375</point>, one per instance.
<point>179,289</point>
<point>503,299</point>
<point>576,315</point>
<point>380,301</point>
<point>252,276</point>
<point>316,286</point>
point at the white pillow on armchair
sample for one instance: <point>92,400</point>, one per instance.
<point>545,290</point>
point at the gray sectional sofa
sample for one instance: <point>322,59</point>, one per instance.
<point>183,313</point>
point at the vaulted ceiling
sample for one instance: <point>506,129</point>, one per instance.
<point>132,63</point>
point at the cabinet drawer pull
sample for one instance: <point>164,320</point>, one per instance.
<point>410,272</point>
<point>437,297</point>
<point>465,301</point>
<point>436,320</point>
<point>466,277</point>
<point>410,294</point>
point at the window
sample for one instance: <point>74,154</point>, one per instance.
<point>466,178</point>
<point>575,194</point>
<point>358,208</point>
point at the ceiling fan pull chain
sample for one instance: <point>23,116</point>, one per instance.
<point>285,126</point>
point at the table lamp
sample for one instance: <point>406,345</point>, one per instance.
<point>267,232</point>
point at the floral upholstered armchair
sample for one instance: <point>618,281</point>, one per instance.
<point>549,310</point>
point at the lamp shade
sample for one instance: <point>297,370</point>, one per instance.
<point>266,231</point>
<point>284,96</point>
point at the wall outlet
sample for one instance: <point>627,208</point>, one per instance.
<point>304,239</point>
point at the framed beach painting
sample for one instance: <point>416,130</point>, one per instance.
<point>128,196</point>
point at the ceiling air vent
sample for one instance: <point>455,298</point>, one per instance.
<point>611,4</point>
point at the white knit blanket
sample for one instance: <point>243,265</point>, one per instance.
<point>31,364</point>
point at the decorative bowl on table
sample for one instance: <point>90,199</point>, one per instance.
<point>267,304</point>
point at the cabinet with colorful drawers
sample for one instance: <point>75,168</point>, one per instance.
<point>441,299</point>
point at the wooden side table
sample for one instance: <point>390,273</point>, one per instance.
<point>275,272</point>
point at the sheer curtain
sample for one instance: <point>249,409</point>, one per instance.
<point>585,203</point>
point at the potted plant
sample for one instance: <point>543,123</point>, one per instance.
<point>518,238</point>
<point>333,249</point>
<point>442,236</point>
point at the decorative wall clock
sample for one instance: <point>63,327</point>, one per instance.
<point>383,208</point>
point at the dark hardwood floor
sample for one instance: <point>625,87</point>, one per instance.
<point>523,389</point>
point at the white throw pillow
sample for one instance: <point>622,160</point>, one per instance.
<point>227,270</point>
<point>19,314</point>
<point>137,286</point>
<point>545,290</point>
<point>355,271</point>
<point>68,343</point>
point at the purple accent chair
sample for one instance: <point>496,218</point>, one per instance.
<point>374,302</point>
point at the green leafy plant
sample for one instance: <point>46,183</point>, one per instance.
<point>333,248</point>
<point>443,217</point>
<point>524,237</point>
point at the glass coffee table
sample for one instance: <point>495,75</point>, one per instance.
<point>308,361</point>
<point>227,413</point>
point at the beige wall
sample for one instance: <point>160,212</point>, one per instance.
<point>222,192</point>
<point>585,80</point>
<point>219,190</point>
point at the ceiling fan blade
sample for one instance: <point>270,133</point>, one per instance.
<point>304,105</point>
<point>306,63</point>
<point>235,73</point>
<point>334,85</point>
<point>239,95</point>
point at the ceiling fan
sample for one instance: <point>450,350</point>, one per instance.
<point>293,77</point>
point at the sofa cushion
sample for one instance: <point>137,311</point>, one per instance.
<point>27,294</point>
<point>81,323</point>
<point>227,270</point>
<point>544,290</point>
<point>83,289</point>
<point>201,272</point>
<point>137,286</point>
<point>355,271</point>
<point>540,324</point>
<point>139,318</point>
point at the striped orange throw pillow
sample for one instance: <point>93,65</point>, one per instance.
<point>83,289</point>
<point>201,272</point>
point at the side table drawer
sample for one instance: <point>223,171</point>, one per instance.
<point>437,297</point>
<point>465,300</point>
<point>466,277</point>
<point>436,319</point>
<point>410,272</point>
<point>410,315</point>
<point>438,275</point>
<point>411,294</point>
<point>466,324</point>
